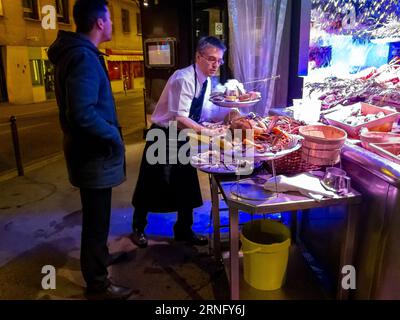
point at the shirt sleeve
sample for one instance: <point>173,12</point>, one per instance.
<point>180,97</point>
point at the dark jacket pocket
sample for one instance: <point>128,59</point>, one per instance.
<point>116,157</point>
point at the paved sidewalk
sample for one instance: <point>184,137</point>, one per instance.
<point>40,223</point>
<point>7,109</point>
<point>35,118</point>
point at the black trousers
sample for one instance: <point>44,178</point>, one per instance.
<point>183,225</point>
<point>96,210</point>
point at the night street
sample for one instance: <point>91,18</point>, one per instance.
<point>259,159</point>
<point>40,135</point>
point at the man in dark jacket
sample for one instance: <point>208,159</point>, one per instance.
<point>93,146</point>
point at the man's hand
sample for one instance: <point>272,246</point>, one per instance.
<point>213,132</point>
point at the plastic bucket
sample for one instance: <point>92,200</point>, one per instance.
<point>265,246</point>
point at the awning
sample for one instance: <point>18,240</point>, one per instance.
<point>124,58</point>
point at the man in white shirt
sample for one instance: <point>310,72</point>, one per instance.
<point>176,98</point>
<point>175,187</point>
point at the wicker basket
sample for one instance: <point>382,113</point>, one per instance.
<point>292,163</point>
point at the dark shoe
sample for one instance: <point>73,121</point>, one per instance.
<point>117,257</point>
<point>192,239</point>
<point>139,238</point>
<point>112,292</point>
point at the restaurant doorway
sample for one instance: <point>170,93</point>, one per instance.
<point>49,80</point>
<point>138,68</point>
<point>211,19</point>
<point>3,86</point>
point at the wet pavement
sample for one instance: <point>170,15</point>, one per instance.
<point>40,223</point>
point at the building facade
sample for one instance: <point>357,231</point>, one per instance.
<point>26,75</point>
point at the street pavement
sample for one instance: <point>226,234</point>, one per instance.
<point>7,109</point>
<point>40,136</point>
<point>40,224</point>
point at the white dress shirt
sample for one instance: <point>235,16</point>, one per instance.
<point>177,96</point>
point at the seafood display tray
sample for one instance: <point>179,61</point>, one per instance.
<point>383,124</point>
<point>235,104</point>
<point>390,151</point>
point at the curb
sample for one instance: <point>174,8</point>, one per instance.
<point>8,175</point>
<point>51,106</point>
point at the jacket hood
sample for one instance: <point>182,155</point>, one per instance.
<point>67,41</point>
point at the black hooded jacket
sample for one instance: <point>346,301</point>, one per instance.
<point>93,145</point>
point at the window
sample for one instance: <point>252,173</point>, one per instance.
<point>138,24</point>
<point>62,11</point>
<point>111,9</point>
<point>36,72</point>
<point>114,70</point>
<point>30,9</point>
<point>138,69</point>
<point>1,9</point>
<point>125,21</point>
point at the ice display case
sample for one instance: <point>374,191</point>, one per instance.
<point>354,52</point>
<point>354,57</point>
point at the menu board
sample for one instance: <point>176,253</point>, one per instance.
<point>159,54</point>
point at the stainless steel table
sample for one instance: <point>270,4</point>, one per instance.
<point>283,202</point>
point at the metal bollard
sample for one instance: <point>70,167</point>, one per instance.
<point>145,114</point>
<point>17,150</point>
<point>145,109</point>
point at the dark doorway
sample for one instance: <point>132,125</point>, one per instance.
<point>3,86</point>
<point>185,21</point>
<point>49,81</point>
<point>211,19</point>
<point>202,24</point>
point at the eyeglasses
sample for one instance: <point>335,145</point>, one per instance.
<point>213,60</point>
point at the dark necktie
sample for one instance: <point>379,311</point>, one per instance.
<point>197,104</point>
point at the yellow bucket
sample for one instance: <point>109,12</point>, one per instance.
<point>265,247</point>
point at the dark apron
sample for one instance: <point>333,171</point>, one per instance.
<point>169,187</point>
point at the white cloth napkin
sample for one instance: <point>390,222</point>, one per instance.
<point>305,183</point>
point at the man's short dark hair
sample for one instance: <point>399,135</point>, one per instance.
<point>210,42</point>
<point>86,13</point>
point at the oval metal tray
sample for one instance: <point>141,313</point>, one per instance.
<point>235,104</point>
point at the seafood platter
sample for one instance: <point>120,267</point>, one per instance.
<point>249,141</point>
<point>362,115</point>
<point>234,95</point>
